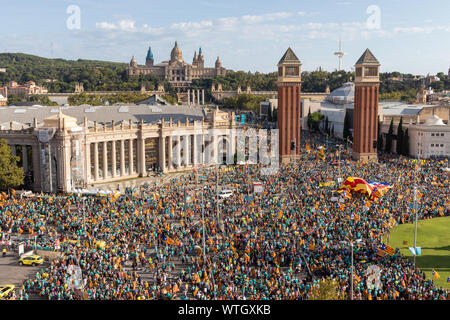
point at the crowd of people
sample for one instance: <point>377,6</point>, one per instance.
<point>278,244</point>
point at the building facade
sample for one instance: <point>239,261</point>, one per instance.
<point>365,114</point>
<point>60,153</point>
<point>178,72</point>
<point>29,89</point>
<point>429,138</point>
<point>289,89</point>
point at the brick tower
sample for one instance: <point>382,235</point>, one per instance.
<point>365,122</point>
<point>289,88</point>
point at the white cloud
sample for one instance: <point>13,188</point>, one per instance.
<point>105,26</point>
<point>122,25</point>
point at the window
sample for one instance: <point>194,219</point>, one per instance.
<point>371,71</point>
<point>292,71</point>
<point>359,72</point>
<point>432,145</point>
<point>432,134</point>
<point>442,145</point>
<point>280,71</point>
<point>442,134</point>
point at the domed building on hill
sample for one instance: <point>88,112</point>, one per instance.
<point>176,70</point>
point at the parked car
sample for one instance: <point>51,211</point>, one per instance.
<point>32,260</point>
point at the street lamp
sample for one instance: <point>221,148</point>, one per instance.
<point>360,242</point>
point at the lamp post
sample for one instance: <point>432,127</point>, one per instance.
<point>357,241</point>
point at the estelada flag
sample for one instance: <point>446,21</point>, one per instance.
<point>387,249</point>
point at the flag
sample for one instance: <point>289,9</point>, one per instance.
<point>321,154</point>
<point>448,280</point>
<point>167,240</point>
<point>387,249</point>
<point>405,243</point>
<point>366,187</point>
<point>435,274</point>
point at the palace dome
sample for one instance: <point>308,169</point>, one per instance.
<point>176,54</point>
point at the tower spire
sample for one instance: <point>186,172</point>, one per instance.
<point>340,54</point>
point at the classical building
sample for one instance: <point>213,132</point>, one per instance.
<point>29,89</point>
<point>289,88</point>
<point>68,148</point>
<point>365,114</point>
<point>176,70</point>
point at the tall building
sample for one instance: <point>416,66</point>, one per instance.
<point>178,72</point>
<point>365,122</point>
<point>289,88</point>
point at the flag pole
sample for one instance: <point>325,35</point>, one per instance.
<point>415,201</point>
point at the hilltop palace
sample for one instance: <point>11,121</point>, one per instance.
<point>178,72</point>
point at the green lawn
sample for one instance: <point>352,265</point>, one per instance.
<point>433,235</point>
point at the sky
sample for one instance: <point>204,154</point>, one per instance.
<point>408,36</point>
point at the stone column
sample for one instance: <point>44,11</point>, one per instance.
<point>195,150</point>
<point>87,158</point>
<point>178,152</point>
<point>186,152</point>
<point>193,97</point>
<point>198,96</point>
<point>169,152</point>
<point>189,97</point>
<point>36,167</point>
<point>24,159</point>
<point>141,157</point>
<point>203,96</point>
<point>105,159</point>
<point>130,155</point>
<point>122,157</point>
<point>96,161</point>
<point>162,153</point>
<point>113,159</point>
<point>13,149</point>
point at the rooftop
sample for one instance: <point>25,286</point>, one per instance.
<point>102,114</point>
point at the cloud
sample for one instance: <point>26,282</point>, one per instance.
<point>122,25</point>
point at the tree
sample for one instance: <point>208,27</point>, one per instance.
<point>314,120</point>
<point>326,289</point>
<point>399,137</point>
<point>380,136</point>
<point>405,150</point>
<point>389,136</point>
<point>11,175</point>
<point>309,119</point>
<point>346,132</point>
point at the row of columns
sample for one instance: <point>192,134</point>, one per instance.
<point>194,151</point>
<point>114,173</point>
<point>192,97</point>
<point>182,151</point>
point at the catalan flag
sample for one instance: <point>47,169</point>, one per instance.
<point>366,187</point>
<point>387,249</point>
<point>436,275</point>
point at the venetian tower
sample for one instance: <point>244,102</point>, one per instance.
<point>365,123</point>
<point>289,88</point>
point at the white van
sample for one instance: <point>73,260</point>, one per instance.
<point>225,193</point>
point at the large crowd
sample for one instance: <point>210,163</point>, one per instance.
<point>278,244</point>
